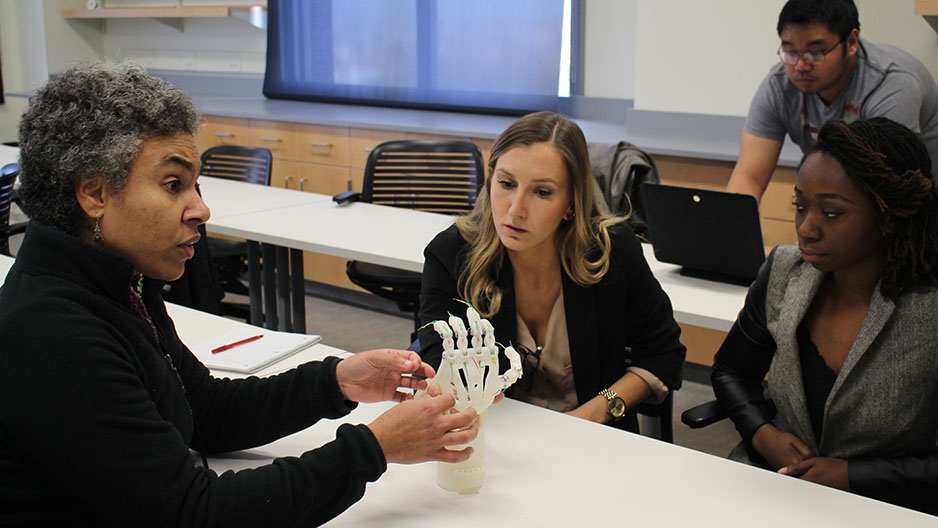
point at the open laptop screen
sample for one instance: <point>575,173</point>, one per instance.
<point>712,234</point>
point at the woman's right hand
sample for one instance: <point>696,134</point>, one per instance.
<point>420,430</point>
<point>779,449</point>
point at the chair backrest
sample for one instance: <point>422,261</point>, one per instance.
<point>441,176</point>
<point>8,174</point>
<point>249,164</point>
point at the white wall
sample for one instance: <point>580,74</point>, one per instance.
<point>709,57</point>
<point>22,57</point>
<point>213,44</point>
<point>609,48</point>
<point>670,55</point>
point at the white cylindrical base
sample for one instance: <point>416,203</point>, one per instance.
<point>468,476</point>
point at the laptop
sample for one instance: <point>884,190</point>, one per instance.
<point>713,235</point>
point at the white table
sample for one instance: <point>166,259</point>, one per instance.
<point>227,198</point>
<point>280,224</point>
<point>379,234</point>
<point>698,302</point>
<point>547,469</point>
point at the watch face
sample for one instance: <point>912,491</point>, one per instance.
<point>616,407</point>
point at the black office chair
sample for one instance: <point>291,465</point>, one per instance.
<point>441,176</point>
<point>709,413</point>
<point>8,174</point>
<point>248,164</point>
<point>660,425</point>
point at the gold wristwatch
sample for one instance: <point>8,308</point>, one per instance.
<point>616,407</point>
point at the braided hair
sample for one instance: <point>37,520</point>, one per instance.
<point>889,161</point>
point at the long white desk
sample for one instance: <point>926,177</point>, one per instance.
<point>228,198</point>
<point>698,302</point>
<point>548,469</point>
<point>279,224</point>
<point>390,236</point>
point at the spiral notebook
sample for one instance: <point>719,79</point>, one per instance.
<point>253,355</point>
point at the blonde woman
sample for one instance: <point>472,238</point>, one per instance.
<point>563,282</point>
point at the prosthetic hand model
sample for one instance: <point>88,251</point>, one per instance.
<point>472,376</point>
<point>472,373</point>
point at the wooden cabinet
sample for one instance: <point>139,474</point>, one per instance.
<point>223,131</point>
<point>279,138</point>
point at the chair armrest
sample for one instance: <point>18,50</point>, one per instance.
<point>703,415</point>
<point>348,196</point>
<point>17,228</point>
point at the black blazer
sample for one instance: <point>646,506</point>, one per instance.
<point>624,320</point>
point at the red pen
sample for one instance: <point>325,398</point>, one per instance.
<point>236,343</point>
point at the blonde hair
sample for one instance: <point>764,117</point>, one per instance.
<point>583,241</point>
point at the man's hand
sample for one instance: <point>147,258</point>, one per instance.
<point>757,160</point>
<point>376,375</point>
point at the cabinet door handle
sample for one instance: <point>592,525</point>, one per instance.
<point>320,144</point>
<point>302,181</point>
<point>270,139</point>
<point>224,134</point>
<point>286,181</point>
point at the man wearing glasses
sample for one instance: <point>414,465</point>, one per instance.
<point>828,72</point>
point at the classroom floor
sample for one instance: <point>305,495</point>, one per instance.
<point>362,322</point>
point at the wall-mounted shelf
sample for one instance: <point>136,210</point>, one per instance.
<point>255,15</point>
<point>929,10</point>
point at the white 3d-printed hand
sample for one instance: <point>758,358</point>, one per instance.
<point>472,373</point>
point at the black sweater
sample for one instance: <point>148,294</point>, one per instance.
<point>98,413</point>
<point>626,319</point>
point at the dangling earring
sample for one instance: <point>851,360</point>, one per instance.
<point>97,237</point>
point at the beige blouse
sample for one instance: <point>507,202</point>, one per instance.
<point>548,381</point>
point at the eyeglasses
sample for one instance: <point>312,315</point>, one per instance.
<point>530,362</point>
<point>812,58</point>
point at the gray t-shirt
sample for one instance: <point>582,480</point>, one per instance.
<point>887,82</point>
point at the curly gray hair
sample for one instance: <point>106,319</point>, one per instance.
<point>88,121</point>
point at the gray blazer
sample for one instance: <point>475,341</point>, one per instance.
<point>884,402</point>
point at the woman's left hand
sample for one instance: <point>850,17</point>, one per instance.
<point>376,375</point>
<point>831,472</point>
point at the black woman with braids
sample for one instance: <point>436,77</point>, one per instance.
<point>845,324</point>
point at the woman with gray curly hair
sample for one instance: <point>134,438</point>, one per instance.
<point>100,401</point>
